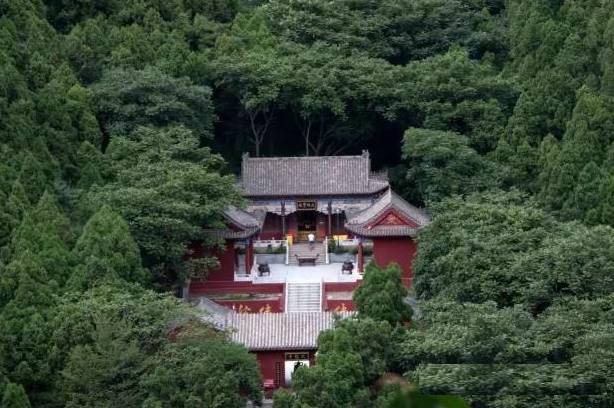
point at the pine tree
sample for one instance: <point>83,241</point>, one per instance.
<point>24,330</point>
<point>14,397</point>
<point>14,209</point>
<point>382,295</point>
<point>32,177</point>
<point>607,200</point>
<point>45,234</point>
<point>587,198</point>
<point>587,138</point>
<point>90,161</point>
<point>108,369</point>
<point>106,251</point>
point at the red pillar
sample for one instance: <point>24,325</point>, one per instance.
<point>249,256</point>
<point>361,258</point>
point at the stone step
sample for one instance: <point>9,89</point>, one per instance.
<point>304,250</point>
<point>303,297</point>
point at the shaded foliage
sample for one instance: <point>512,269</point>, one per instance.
<point>382,296</point>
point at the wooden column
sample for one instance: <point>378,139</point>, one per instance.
<point>330,221</point>
<point>283,220</point>
<point>361,258</point>
<point>249,256</point>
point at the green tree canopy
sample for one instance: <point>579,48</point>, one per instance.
<point>107,370</point>
<point>139,348</point>
<point>202,369</point>
<point>167,188</point>
<point>106,251</point>
<point>382,296</point>
<point>128,98</point>
<point>14,396</point>
<point>441,164</point>
<point>396,30</point>
<point>502,248</point>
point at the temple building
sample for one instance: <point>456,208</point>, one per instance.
<point>300,245</point>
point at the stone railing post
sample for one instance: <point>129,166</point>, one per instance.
<point>326,250</point>
<point>287,252</point>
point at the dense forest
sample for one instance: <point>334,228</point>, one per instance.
<point>122,125</point>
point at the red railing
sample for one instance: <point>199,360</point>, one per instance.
<point>212,287</point>
<point>341,286</point>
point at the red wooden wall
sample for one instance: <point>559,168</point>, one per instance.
<point>226,257</point>
<point>226,271</point>
<point>254,306</point>
<point>268,359</point>
<point>399,250</point>
<point>221,287</point>
<point>321,226</point>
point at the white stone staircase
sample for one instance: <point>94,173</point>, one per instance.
<point>303,250</point>
<point>303,297</point>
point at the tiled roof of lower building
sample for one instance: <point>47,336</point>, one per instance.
<point>280,331</point>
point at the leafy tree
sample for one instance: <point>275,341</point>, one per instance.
<point>141,348</point>
<point>396,30</point>
<point>91,163</point>
<point>106,251</point>
<point>334,95</point>
<point>452,92</point>
<point>106,371</point>
<point>371,339</point>
<point>557,48</point>
<point>147,316</point>
<point>14,396</point>
<point>441,164</point>
<point>208,371</point>
<point>466,252</point>
<point>475,333</point>
<point>167,188</point>
<point>505,357</point>
<point>250,65</point>
<point>45,232</point>
<point>511,252</point>
<point>24,326</point>
<point>351,358</point>
<point>382,296</point>
<point>587,139</point>
<point>32,177</point>
<point>128,98</point>
<point>66,112</point>
<point>337,380</point>
<point>13,210</point>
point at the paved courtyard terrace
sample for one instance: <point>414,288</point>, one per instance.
<point>281,273</point>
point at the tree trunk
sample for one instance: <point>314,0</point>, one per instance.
<point>306,135</point>
<point>258,132</point>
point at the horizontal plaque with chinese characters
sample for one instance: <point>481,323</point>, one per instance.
<point>306,205</point>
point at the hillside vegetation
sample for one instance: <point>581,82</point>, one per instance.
<point>122,123</point>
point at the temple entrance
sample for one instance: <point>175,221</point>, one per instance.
<point>306,224</point>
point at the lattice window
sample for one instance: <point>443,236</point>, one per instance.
<point>278,373</point>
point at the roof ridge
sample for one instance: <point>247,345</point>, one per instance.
<point>308,157</point>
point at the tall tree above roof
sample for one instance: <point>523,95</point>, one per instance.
<point>167,188</point>
<point>128,98</point>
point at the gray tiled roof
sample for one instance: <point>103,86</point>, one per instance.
<point>358,223</point>
<point>249,224</point>
<point>302,176</point>
<point>242,218</point>
<point>215,314</point>
<point>280,331</point>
